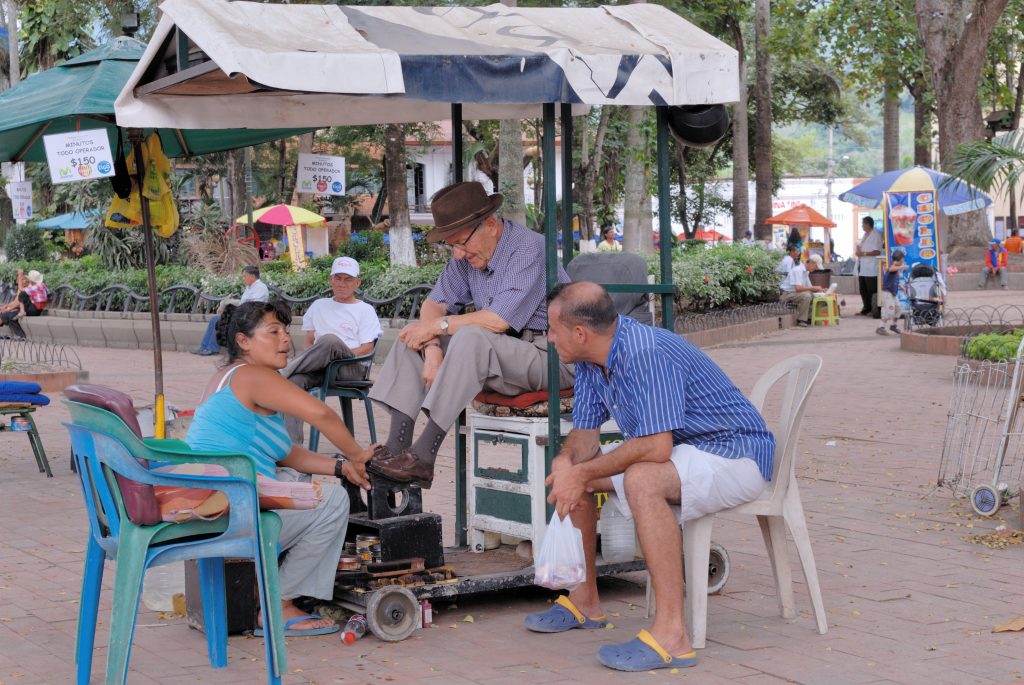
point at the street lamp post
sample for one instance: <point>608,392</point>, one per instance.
<point>830,174</point>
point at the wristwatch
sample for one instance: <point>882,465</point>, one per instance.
<point>443,326</point>
<point>340,461</point>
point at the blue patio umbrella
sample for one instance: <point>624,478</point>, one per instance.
<point>72,221</point>
<point>954,196</point>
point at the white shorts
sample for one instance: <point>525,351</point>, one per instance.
<point>708,483</point>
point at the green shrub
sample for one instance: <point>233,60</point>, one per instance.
<point>25,242</point>
<point>724,276</point>
<point>398,278</point>
<point>365,246</point>
<point>995,347</point>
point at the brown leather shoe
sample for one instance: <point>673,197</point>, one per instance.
<point>402,467</point>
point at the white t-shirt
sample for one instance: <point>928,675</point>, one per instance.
<point>797,276</point>
<point>257,292</point>
<point>356,324</point>
<point>785,266</point>
<point>868,266</point>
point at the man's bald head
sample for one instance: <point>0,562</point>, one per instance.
<point>584,303</point>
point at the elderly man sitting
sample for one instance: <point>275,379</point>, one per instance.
<point>796,287</point>
<point>255,291</point>
<point>336,328</point>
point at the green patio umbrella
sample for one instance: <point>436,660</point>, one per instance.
<point>79,95</point>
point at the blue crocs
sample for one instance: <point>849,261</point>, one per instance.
<point>642,653</point>
<point>562,617</point>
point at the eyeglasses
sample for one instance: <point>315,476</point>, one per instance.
<point>452,246</point>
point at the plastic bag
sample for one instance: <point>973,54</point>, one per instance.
<point>560,564</point>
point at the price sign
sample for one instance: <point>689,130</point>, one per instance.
<point>321,174</point>
<point>20,193</point>
<point>79,156</point>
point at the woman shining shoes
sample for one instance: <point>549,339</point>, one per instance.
<point>242,411</point>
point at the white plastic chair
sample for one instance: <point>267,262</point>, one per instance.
<point>780,502</point>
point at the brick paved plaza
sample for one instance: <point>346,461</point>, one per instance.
<point>909,599</point>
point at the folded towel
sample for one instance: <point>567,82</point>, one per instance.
<point>8,387</point>
<point>38,400</point>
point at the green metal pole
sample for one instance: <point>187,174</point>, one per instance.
<point>461,452</point>
<point>567,213</point>
<point>457,171</point>
<point>551,253</point>
<point>665,220</point>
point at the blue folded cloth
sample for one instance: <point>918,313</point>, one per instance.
<point>27,397</point>
<point>16,387</point>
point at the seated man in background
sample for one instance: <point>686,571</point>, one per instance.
<point>796,287</point>
<point>255,291</point>
<point>693,445</point>
<point>336,328</point>
<point>30,300</point>
<point>995,265</point>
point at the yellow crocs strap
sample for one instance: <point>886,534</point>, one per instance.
<point>564,601</point>
<point>649,640</point>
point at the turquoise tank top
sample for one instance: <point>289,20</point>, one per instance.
<point>223,424</point>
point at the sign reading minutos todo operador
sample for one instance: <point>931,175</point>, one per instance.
<point>321,174</point>
<point>79,155</point>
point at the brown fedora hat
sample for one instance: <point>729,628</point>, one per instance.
<point>459,205</point>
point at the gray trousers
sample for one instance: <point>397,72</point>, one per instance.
<point>474,359</point>
<point>803,304</point>
<point>313,539</point>
<point>307,371</point>
<point>986,272</point>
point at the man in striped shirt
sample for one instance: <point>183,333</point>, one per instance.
<point>693,445</point>
<point>440,362</point>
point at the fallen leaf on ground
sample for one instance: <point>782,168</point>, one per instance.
<point>1014,625</point>
<point>467,619</point>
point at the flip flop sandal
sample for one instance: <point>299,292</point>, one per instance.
<point>642,653</point>
<point>299,632</point>
<point>561,617</point>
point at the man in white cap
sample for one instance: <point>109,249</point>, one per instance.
<point>796,287</point>
<point>336,327</point>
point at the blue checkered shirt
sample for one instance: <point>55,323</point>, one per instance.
<point>512,286</point>
<point>658,382</point>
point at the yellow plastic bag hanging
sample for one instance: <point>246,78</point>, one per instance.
<point>125,213</point>
<point>167,211</point>
<point>158,169</point>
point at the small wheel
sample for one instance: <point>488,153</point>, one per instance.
<point>718,568</point>
<point>985,500</point>
<point>392,613</point>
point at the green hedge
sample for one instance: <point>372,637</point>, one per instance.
<point>995,347</point>
<point>721,276</point>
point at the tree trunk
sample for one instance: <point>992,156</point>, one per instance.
<point>591,163</point>
<point>636,237</point>
<point>510,170</point>
<point>402,249</point>
<point>763,98</point>
<point>236,182</point>
<point>740,147</point>
<point>305,146</point>
<point>12,46</point>
<point>282,167</point>
<point>955,34</point>
<point>890,128</point>
<point>922,122</point>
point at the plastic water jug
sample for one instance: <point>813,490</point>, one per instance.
<point>161,584</point>
<point>618,536</point>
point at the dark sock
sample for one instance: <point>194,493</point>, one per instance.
<point>429,442</point>
<point>400,435</point>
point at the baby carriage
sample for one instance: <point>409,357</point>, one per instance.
<point>925,292</point>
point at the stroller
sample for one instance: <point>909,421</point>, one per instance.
<point>925,291</point>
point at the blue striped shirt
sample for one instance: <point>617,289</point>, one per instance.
<point>512,286</point>
<point>658,382</point>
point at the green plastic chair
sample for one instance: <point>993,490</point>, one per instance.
<point>347,390</point>
<point>103,445</point>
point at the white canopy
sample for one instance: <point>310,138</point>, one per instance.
<point>259,65</point>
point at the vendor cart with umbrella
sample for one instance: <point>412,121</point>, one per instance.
<point>410,64</point>
<point>804,217</point>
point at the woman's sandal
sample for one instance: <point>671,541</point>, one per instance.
<point>300,632</point>
<point>642,653</point>
<point>561,617</point>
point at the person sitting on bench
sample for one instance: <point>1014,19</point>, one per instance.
<point>30,300</point>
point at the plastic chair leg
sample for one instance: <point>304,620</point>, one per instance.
<point>128,575</point>
<point>696,556</point>
<point>346,414</point>
<point>369,420</point>
<point>773,531</point>
<point>794,515</point>
<point>270,597</point>
<point>37,446</point>
<point>211,583</point>
<point>88,610</point>
<point>314,438</point>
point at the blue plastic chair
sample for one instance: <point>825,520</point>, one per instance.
<point>102,446</point>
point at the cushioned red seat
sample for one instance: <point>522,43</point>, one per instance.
<point>139,499</point>
<point>527,399</point>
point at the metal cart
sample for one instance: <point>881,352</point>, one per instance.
<point>983,449</point>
